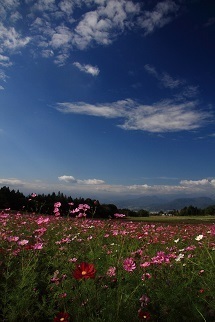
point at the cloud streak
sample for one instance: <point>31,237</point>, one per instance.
<point>88,69</point>
<point>164,78</point>
<point>163,116</point>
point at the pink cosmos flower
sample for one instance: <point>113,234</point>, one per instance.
<point>81,214</point>
<point>42,220</point>
<point>144,300</point>
<point>23,242</point>
<point>111,271</point>
<point>73,260</point>
<point>74,211</point>
<point>129,264</point>
<point>38,246</point>
<point>119,215</point>
<point>57,204</point>
<point>146,276</point>
<point>212,230</point>
<point>84,207</point>
<point>146,264</point>
<point>13,238</point>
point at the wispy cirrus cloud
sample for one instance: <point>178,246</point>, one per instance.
<point>210,22</point>
<point>182,89</point>
<point>164,116</point>
<point>86,68</point>
<point>164,78</point>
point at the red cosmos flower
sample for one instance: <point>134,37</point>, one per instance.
<point>84,271</point>
<point>61,317</point>
<point>143,315</point>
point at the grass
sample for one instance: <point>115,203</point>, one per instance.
<point>175,219</point>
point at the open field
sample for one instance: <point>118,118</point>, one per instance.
<point>175,219</point>
<point>54,268</point>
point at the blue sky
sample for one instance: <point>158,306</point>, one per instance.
<point>107,98</point>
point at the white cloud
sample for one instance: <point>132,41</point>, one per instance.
<point>67,178</point>
<point>47,53</point>
<point>3,76</point>
<point>1,88</point>
<point>11,39</point>
<point>169,82</point>
<point>66,6</point>
<point>89,69</point>
<point>61,59</point>
<point>45,5</point>
<point>11,182</point>
<point>102,22</point>
<point>91,181</point>
<point>162,14</point>
<point>5,61</point>
<point>106,110</point>
<point>164,116</point>
<point>8,10</point>
<point>102,25</point>
<point>71,179</point>
<point>95,187</point>
<point>61,37</point>
<point>198,183</point>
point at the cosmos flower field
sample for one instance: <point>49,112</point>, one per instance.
<point>55,268</point>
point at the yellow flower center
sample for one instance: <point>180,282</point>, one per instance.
<point>83,272</point>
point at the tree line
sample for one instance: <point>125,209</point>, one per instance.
<point>44,204</point>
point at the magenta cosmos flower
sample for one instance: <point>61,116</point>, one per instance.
<point>129,264</point>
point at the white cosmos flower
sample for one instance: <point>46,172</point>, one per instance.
<point>179,257</point>
<point>199,237</point>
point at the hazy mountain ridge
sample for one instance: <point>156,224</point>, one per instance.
<point>154,203</point>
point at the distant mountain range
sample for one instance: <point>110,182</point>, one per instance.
<point>154,203</point>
